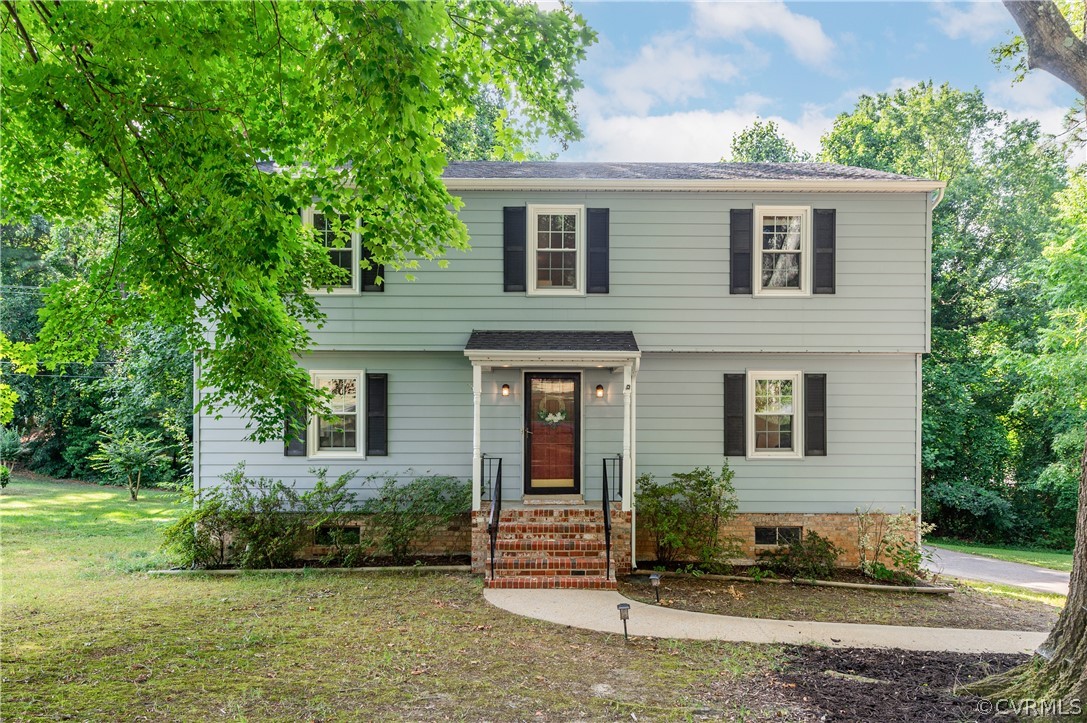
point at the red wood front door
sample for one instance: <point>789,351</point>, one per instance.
<point>553,435</point>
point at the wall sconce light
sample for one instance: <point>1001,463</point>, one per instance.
<point>505,390</point>
<point>599,391</point>
<point>655,580</point>
<point>624,615</point>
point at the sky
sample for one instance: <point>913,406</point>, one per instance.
<point>673,81</point>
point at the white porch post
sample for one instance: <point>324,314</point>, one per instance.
<point>477,458</point>
<point>628,435</point>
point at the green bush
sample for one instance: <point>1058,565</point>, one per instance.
<point>5,477</point>
<point>811,557</point>
<point>684,516</point>
<point>200,536</point>
<point>404,517</point>
<point>327,507</point>
<point>11,447</point>
<point>127,456</point>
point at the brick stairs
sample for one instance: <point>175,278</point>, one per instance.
<point>551,548</point>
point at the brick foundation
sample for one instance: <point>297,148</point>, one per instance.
<point>841,529</point>
<point>454,539</point>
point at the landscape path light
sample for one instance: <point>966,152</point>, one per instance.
<point>624,615</point>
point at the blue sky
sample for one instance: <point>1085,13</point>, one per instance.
<point>673,81</point>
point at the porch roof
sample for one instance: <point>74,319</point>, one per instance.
<point>551,341</point>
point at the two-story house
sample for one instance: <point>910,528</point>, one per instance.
<point>616,319</point>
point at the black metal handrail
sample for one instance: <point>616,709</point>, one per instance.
<point>605,503</point>
<point>494,476</point>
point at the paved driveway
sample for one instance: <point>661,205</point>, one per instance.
<point>986,569</point>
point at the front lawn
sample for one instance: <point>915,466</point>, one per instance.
<point>1053,559</point>
<point>87,638</point>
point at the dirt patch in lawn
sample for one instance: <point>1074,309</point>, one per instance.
<point>965,608</point>
<point>852,684</point>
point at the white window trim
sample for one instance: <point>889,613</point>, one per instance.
<point>530,249</point>
<point>360,424</point>
<point>805,250</point>
<point>797,452</point>
<point>353,288</point>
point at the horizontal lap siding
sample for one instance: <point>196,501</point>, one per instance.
<point>430,424</point>
<point>669,281</point>
<point>871,430</point>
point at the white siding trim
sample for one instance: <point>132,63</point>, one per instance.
<point>580,236</point>
<point>797,452</point>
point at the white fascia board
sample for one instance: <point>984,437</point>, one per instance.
<point>498,358</point>
<point>626,184</point>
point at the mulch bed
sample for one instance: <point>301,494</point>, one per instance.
<point>904,685</point>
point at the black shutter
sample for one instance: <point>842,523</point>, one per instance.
<point>815,415</point>
<point>377,415</point>
<point>739,250</point>
<point>368,281</point>
<point>823,238</point>
<point>294,433</point>
<point>514,227</point>
<point>735,414</point>
<point>598,231</point>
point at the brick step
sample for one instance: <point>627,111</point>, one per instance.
<point>553,582</point>
<point>521,544</point>
<point>550,563</point>
<point>550,528</point>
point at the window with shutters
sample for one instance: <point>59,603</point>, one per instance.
<point>556,250</point>
<point>339,433</point>
<point>774,414</point>
<point>782,251</point>
<point>339,235</point>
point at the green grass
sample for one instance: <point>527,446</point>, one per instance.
<point>1019,593</point>
<point>88,636</point>
<point>1053,559</point>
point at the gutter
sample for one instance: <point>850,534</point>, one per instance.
<point>737,184</point>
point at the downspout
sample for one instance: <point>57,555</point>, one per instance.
<point>196,429</point>
<point>935,201</point>
<point>633,461</point>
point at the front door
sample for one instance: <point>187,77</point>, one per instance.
<point>552,434</point>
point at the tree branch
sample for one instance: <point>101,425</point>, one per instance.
<point>1051,44</point>
<point>14,14</point>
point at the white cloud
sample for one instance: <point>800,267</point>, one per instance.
<point>668,69</point>
<point>1039,97</point>
<point>979,22</point>
<point>804,35</point>
<point>686,136</point>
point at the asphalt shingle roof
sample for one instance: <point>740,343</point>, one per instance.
<point>667,171</point>
<point>551,341</point>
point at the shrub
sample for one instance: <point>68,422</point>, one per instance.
<point>199,537</point>
<point>326,508</point>
<point>5,477</point>
<point>11,447</point>
<point>896,539</point>
<point>404,517</point>
<point>684,516</point>
<point>811,557</point>
<point>127,456</point>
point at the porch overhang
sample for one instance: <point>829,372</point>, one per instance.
<point>491,349</point>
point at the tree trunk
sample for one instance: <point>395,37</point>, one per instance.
<point>1059,673</point>
<point>1051,45</point>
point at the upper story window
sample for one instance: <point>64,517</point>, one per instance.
<point>341,238</point>
<point>556,250</point>
<point>774,413</point>
<point>782,250</point>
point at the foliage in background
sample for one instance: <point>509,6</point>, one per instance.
<point>761,142</point>
<point>105,109</point>
<point>981,451</point>
<point>126,456</point>
<point>684,516</point>
<point>812,557</point>
<point>403,517</point>
<point>5,477</point>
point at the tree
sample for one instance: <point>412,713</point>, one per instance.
<point>177,114</point>
<point>1000,203</point>
<point>127,456</point>
<point>1051,44</point>
<point>763,143</point>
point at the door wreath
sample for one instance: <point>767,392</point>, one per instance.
<point>552,410</point>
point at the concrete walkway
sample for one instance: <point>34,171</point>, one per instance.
<point>595,610</point>
<point>987,569</point>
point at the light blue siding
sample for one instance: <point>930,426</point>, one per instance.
<point>669,281</point>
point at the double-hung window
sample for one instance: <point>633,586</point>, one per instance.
<point>340,432</point>
<point>339,235</point>
<point>782,250</point>
<point>774,414</point>
<point>556,249</point>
